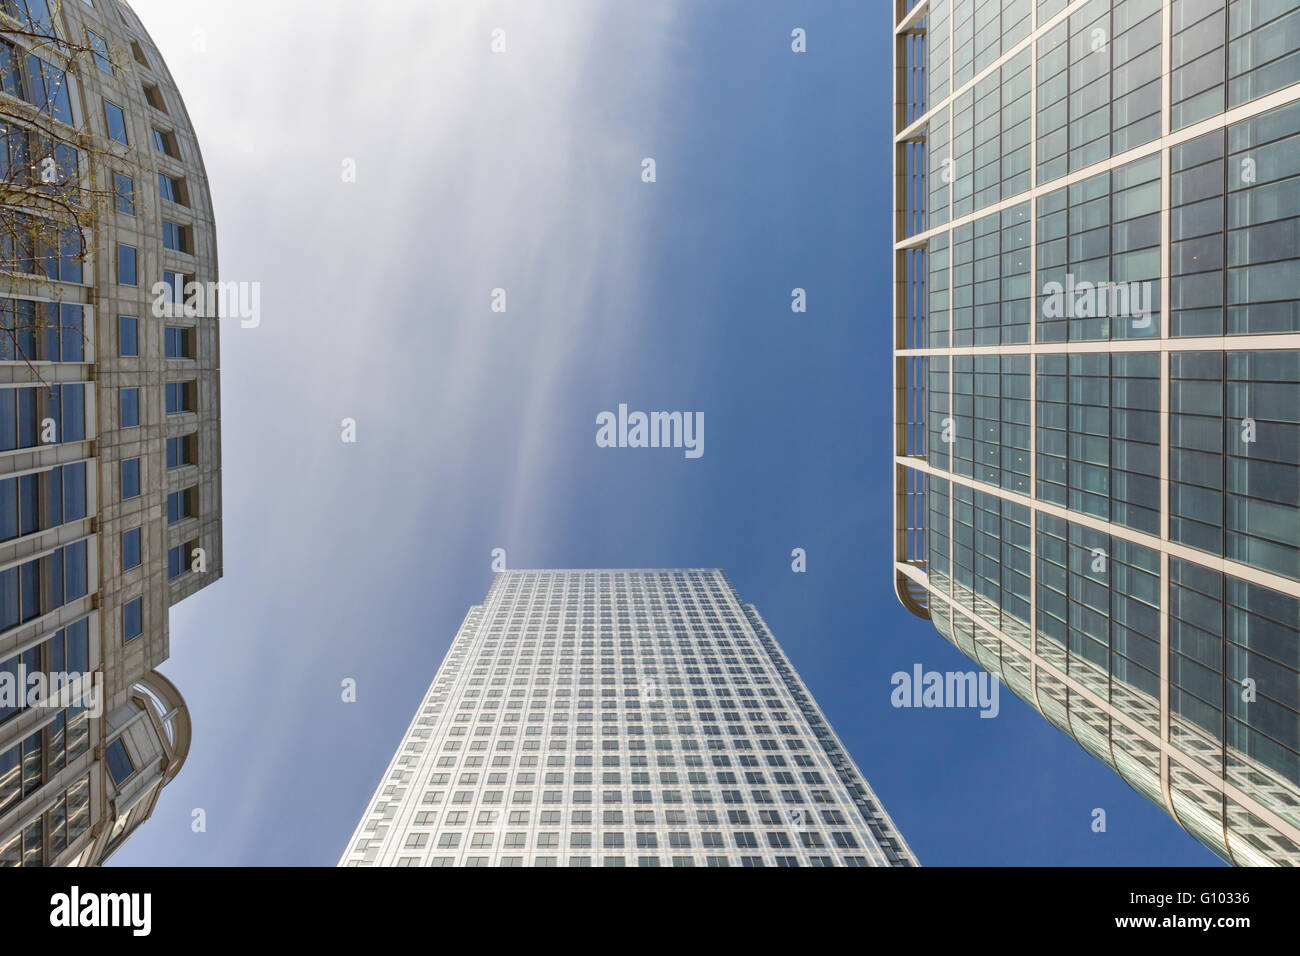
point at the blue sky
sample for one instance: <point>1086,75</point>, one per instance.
<point>522,171</point>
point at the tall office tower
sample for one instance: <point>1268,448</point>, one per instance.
<point>110,492</point>
<point>620,718</point>
<point>1097,381</point>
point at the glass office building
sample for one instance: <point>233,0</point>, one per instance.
<point>1097,381</point>
<point>110,450</point>
<point>620,718</point>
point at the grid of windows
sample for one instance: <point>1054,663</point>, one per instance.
<point>991,297</point>
<point>1235,228</point>
<point>1227,54</point>
<point>625,717</point>
<point>31,417</point>
<point>1099,240</point>
<point>32,331</point>
<point>1235,456</point>
<point>42,585</point>
<point>1098,436</point>
<point>1235,676</point>
<point>41,500</point>
<point>1162,439</point>
<point>990,402</point>
<point>69,524</point>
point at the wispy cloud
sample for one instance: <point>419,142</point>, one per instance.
<point>475,170</point>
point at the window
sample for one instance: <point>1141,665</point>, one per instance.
<point>23,409</point>
<point>176,283</point>
<point>180,451</point>
<point>153,96</point>
<point>62,575</point>
<point>138,52</point>
<point>131,549</point>
<point>116,121</point>
<point>181,505</point>
<point>60,260</point>
<point>128,341</point>
<point>175,236</point>
<point>129,406</point>
<point>11,80</point>
<point>132,620</point>
<point>41,331</point>
<point>119,763</point>
<point>171,189</point>
<point>130,478</point>
<point>124,186</point>
<point>126,264</point>
<point>64,157</point>
<point>180,397</point>
<point>176,558</point>
<point>33,14</point>
<point>38,502</point>
<point>99,49</point>
<point>164,141</point>
<point>49,89</point>
<point>178,342</point>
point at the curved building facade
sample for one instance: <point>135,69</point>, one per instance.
<point>110,456</point>
<point>1097,377</point>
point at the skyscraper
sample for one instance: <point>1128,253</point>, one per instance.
<point>620,718</point>
<point>1097,381</point>
<point>110,458</point>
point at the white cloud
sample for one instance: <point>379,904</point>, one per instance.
<point>475,171</point>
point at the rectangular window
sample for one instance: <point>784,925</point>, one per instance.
<point>11,80</point>
<point>126,265</point>
<point>181,505</point>
<point>49,90</point>
<point>178,341</point>
<point>124,187</point>
<point>59,163</point>
<point>172,189</point>
<point>99,49</point>
<point>119,762</point>
<point>41,331</point>
<point>130,478</point>
<point>153,96</point>
<point>175,236</point>
<point>128,341</point>
<point>72,334</point>
<point>129,406</point>
<point>175,281</point>
<point>180,451</point>
<point>164,141</point>
<point>132,620</point>
<point>33,14</point>
<point>180,397</point>
<point>70,413</point>
<point>22,411</point>
<point>116,122</point>
<point>131,549</point>
<point>61,577</point>
<point>177,558</point>
<point>74,492</point>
